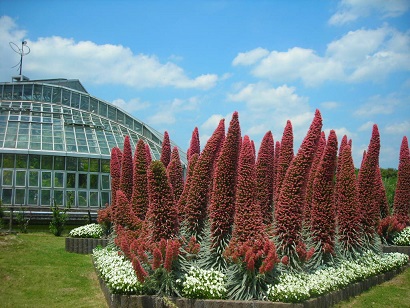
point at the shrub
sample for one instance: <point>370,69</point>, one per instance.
<point>58,220</point>
<point>22,220</point>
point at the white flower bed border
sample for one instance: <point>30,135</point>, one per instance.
<point>118,274</point>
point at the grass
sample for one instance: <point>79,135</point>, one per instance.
<point>392,293</point>
<point>36,271</point>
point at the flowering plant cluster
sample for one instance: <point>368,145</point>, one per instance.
<point>116,271</point>
<point>301,286</point>
<point>200,283</point>
<point>403,238</point>
<point>88,231</point>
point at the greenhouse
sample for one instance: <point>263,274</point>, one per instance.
<point>55,143</point>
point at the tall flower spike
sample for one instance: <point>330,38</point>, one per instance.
<point>401,205</point>
<point>323,218</point>
<point>140,187</point>
<point>349,229</point>
<point>222,205</point>
<point>370,212</point>
<point>264,177</point>
<point>286,156</point>
<point>309,188</point>
<point>162,213</point>
<point>381,197</point>
<point>175,174</point>
<point>194,146</point>
<point>166,150</point>
<point>148,153</point>
<point>183,198</point>
<point>115,171</point>
<point>289,209</point>
<point>127,169</point>
<point>343,143</point>
<point>248,218</point>
<point>275,169</point>
<point>198,196</point>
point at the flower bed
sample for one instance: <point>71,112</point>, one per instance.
<point>324,287</point>
<point>85,238</point>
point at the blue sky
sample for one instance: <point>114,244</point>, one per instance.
<point>180,64</point>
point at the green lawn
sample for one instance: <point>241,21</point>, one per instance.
<point>36,271</point>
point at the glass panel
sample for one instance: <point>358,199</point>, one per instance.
<point>94,198</point>
<point>8,177</point>
<point>46,179</point>
<point>58,197</point>
<point>17,92</point>
<point>94,165</point>
<point>45,197</point>
<point>72,163</point>
<point>33,178</point>
<point>47,94</point>
<point>59,162</point>
<point>75,100</point>
<point>82,198</point>
<point>20,196</point>
<point>47,162</point>
<point>56,95</point>
<point>93,181</point>
<point>111,113</point>
<point>33,197</point>
<point>93,105</point>
<point>8,160</point>
<point>105,165</point>
<point>85,104</point>
<point>28,92</point>
<point>66,97</point>
<point>82,180</point>
<point>70,182</point>
<point>38,89</point>
<point>59,179</point>
<point>105,181</point>
<point>83,164</point>
<point>7,91</point>
<point>47,145</point>
<point>20,178</point>
<point>34,161</point>
<point>70,198</point>
<point>105,199</point>
<point>102,109</point>
<point>7,194</point>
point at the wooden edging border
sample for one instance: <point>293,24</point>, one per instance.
<point>327,300</point>
<point>83,245</point>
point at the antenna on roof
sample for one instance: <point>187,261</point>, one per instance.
<point>23,51</point>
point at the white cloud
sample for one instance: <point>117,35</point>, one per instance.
<point>347,59</point>
<point>351,10</point>
<point>98,64</point>
<point>379,105</point>
<point>132,105</point>
<point>212,122</point>
<point>398,128</point>
<point>250,57</point>
<point>330,105</point>
<point>368,126</point>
